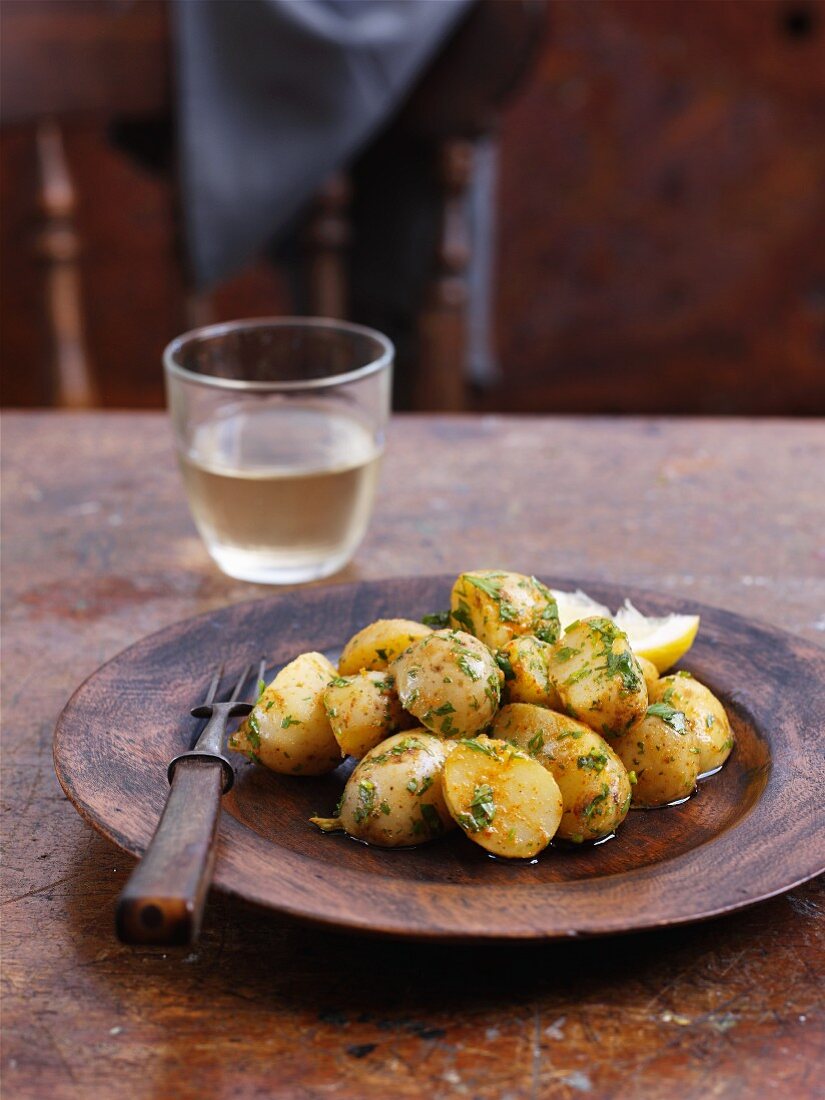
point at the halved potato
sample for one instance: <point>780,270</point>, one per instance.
<point>378,644</point>
<point>450,682</point>
<point>660,752</point>
<point>496,607</point>
<point>288,730</point>
<point>500,798</point>
<point>598,677</point>
<point>525,664</point>
<point>394,797</point>
<point>363,710</point>
<point>594,784</point>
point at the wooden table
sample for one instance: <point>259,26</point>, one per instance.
<point>99,549</point>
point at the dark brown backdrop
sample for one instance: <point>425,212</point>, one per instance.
<point>661,209</point>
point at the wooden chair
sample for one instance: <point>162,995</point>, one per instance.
<point>67,59</point>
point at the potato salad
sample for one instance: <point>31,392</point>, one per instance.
<point>495,718</point>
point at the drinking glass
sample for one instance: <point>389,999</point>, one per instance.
<point>279,426</point>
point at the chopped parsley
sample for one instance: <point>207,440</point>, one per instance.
<point>340,682</point>
<point>594,761</point>
<point>482,809</point>
<point>253,732</point>
<point>366,800</point>
<point>432,819</point>
<point>288,721</point>
<point>463,616</point>
<point>261,689</point>
<point>385,808</point>
<point>438,620</point>
<point>669,715</point>
<point>468,668</point>
<point>536,743</point>
<point>504,663</point>
<point>594,807</point>
<point>476,746</point>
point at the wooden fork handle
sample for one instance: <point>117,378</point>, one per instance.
<point>163,901</point>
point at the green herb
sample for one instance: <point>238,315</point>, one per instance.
<point>366,800</point>
<point>575,677</point>
<point>445,708</point>
<point>504,663</point>
<point>536,743</point>
<point>667,694</point>
<point>575,734</point>
<point>565,653</point>
<point>397,750</point>
<point>623,665</point>
<point>385,685</point>
<point>253,756</point>
<point>385,807</point>
<point>288,721</point>
<point>467,668</point>
<point>340,682</point>
<point>432,819</point>
<point>463,616</point>
<point>438,620</point>
<point>669,715</point>
<point>684,674</point>
<point>709,720</point>
<point>507,612</point>
<point>633,778</point>
<point>270,704</point>
<point>425,785</point>
<point>488,585</point>
<point>728,744</point>
<point>253,731</point>
<point>594,806</point>
<point>261,689</point>
<point>476,746</point>
<point>448,728</point>
<point>482,808</point>
<point>594,761</point>
<point>412,785</point>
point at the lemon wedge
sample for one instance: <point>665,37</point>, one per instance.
<point>662,640</point>
<point>578,605</point>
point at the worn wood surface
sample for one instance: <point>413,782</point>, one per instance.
<point>99,550</point>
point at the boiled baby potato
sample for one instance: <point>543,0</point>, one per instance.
<point>379,644</point>
<point>598,677</point>
<point>394,797</point>
<point>288,729</point>
<point>705,716</point>
<point>649,671</point>
<point>525,664</point>
<point>594,785</point>
<point>363,710</point>
<point>496,607</point>
<point>502,799</point>
<point>450,682</point>
<point>660,752</point>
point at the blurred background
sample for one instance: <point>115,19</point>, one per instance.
<point>578,206</point>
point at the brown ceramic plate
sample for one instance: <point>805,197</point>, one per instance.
<point>750,832</point>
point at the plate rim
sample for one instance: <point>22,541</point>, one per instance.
<point>354,924</point>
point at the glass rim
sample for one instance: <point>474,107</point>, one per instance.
<point>223,328</point>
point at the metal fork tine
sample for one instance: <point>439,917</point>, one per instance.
<point>213,687</point>
<point>239,686</point>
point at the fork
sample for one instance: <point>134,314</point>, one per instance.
<point>163,901</point>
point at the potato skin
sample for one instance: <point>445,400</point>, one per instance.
<point>598,677</point>
<point>394,797</point>
<point>450,682</point>
<point>363,710</point>
<point>288,730</point>
<point>664,760</point>
<point>525,663</point>
<point>500,798</point>
<point>377,645</point>
<point>649,671</point>
<point>496,607</point>
<point>594,784</point>
<point>705,716</point>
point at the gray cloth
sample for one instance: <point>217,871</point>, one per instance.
<point>276,94</point>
